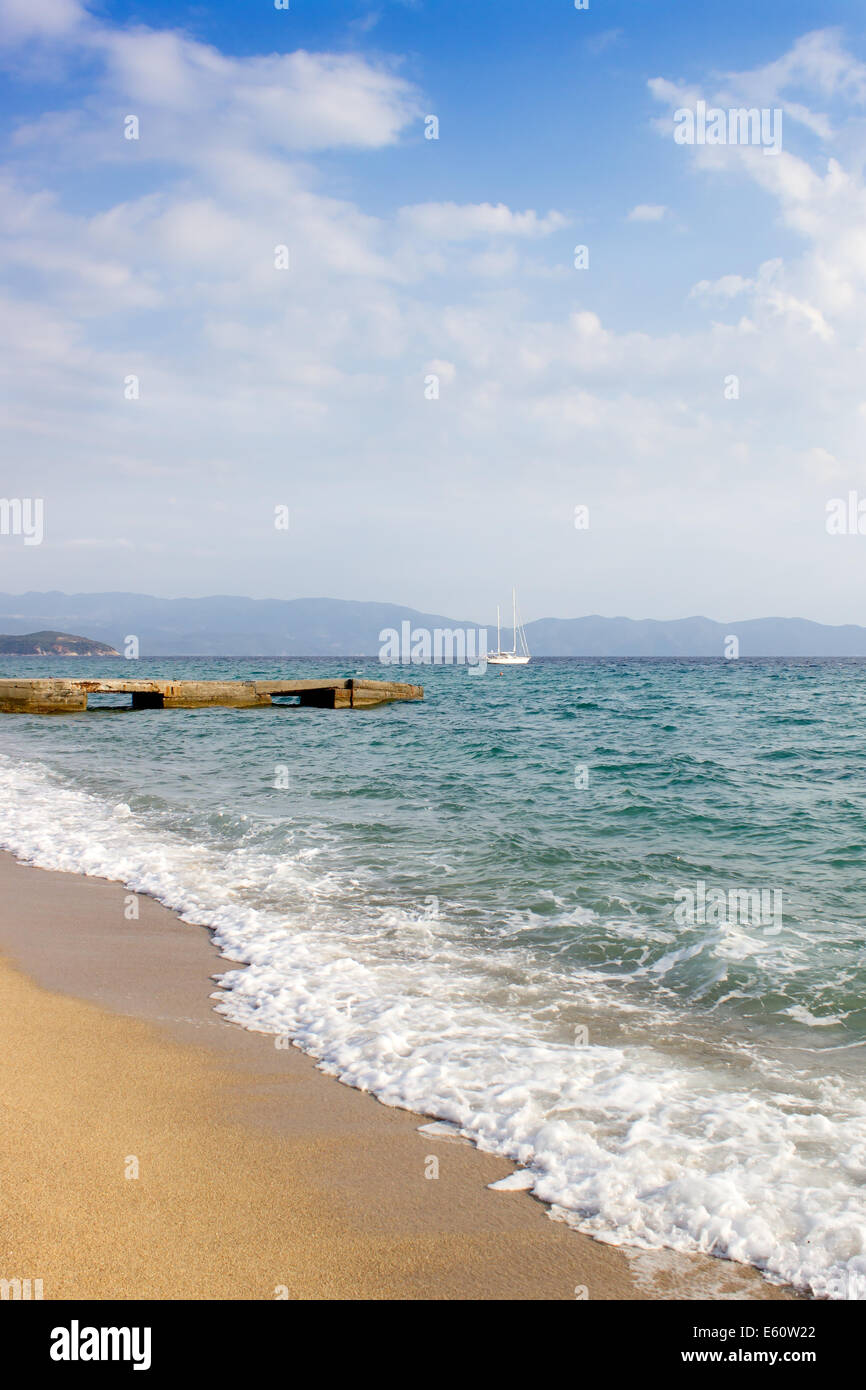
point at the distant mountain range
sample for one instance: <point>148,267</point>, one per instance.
<point>52,644</point>
<point>230,626</point>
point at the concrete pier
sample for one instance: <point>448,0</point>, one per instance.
<point>47,695</point>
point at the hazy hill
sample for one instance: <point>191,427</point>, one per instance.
<point>219,626</point>
<point>233,626</point>
<point>596,636</point>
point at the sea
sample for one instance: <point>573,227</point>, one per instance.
<point>606,918</point>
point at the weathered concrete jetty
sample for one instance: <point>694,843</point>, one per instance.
<point>47,695</point>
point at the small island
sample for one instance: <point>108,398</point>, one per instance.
<point>52,644</point>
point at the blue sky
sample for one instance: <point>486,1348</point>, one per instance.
<point>453,258</point>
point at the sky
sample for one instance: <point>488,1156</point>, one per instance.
<point>263,336</point>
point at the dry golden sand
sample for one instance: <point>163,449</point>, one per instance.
<point>255,1170</point>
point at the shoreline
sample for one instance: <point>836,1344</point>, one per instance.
<point>256,1171</point>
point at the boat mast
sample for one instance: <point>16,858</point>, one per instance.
<point>514,606</point>
<point>498,638</point>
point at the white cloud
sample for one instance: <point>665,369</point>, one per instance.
<point>294,101</point>
<point>726,287</point>
<point>22,20</point>
<point>471,221</point>
<point>817,62</point>
<point>647,212</point>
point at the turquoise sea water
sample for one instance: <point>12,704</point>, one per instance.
<point>470,907</point>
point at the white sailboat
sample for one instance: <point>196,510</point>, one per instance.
<point>514,657</point>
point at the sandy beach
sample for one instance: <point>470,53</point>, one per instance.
<point>257,1176</point>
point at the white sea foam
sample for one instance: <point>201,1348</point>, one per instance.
<point>629,1142</point>
<point>803,1015</point>
<point>521,1181</point>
